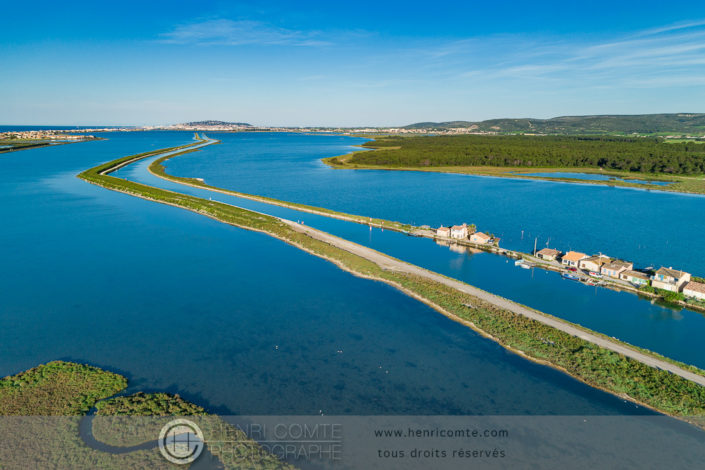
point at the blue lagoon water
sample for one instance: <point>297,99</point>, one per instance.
<point>671,331</point>
<point>233,320</point>
<point>650,228</point>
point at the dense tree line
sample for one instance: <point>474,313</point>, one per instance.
<point>637,154</point>
<point>674,124</point>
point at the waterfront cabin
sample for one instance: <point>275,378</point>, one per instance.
<point>443,232</point>
<point>635,277</point>
<point>616,267</point>
<point>481,238</point>
<point>572,258</point>
<point>695,290</point>
<point>593,263</point>
<point>459,231</point>
<point>670,279</point>
<point>548,254</point>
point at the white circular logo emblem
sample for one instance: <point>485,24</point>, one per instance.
<point>181,441</point>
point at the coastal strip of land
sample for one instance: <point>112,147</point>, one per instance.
<point>7,146</point>
<point>22,140</point>
<point>157,169</point>
<point>638,375</point>
<point>389,263</point>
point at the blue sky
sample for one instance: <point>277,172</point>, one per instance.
<point>346,63</point>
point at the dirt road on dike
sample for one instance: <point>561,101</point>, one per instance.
<point>389,263</point>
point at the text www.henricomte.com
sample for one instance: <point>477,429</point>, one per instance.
<point>442,433</point>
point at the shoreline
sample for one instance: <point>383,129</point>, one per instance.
<point>47,144</point>
<point>340,162</point>
<point>156,168</point>
<point>469,171</point>
<point>455,301</point>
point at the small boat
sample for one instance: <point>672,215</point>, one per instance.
<point>572,277</point>
<point>518,262</point>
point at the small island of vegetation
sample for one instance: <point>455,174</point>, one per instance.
<point>680,163</point>
<point>45,408</point>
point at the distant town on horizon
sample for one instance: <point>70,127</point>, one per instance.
<point>681,124</point>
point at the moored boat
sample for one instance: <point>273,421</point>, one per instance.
<point>524,264</point>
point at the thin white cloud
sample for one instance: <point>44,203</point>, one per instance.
<point>672,55</point>
<point>671,27</point>
<point>225,32</point>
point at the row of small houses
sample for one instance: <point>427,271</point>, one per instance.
<point>465,232</point>
<point>668,279</point>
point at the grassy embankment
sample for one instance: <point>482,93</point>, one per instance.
<point>24,144</point>
<point>157,168</point>
<point>592,364</point>
<point>20,144</point>
<point>43,408</point>
<point>680,163</point>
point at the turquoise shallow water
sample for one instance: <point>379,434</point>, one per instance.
<point>233,320</point>
<point>674,332</point>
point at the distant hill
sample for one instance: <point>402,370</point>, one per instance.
<point>216,123</point>
<point>601,124</point>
